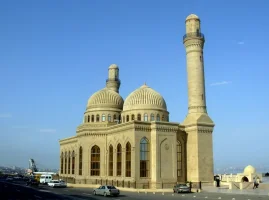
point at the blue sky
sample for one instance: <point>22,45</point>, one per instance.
<point>55,54</point>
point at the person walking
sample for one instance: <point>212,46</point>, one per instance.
<point>255,184</point>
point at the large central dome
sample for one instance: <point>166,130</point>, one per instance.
<point>105,98</point>
<point>144,98</point>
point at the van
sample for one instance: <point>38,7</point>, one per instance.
<point>44,179</point>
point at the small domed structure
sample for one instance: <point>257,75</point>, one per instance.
<point>113,66</point>
<point>249,170</point>
<point>192,16</point>
<point>144,98</point>
<point>105,98</point>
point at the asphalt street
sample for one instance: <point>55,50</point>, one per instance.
<point>19,191</point>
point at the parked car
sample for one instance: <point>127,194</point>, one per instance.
<point>181,188</point>
<point>57,183</point>
<point>107,190</point>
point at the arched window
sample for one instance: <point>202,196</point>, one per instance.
<point>139,117</point>
<point>127,118</point>
<point>109,118</point>
<point>119,160</point>
<point>103,117</point>
<point>62,163</point>
<point>151,117</point>
<point>145,117</point>
<point>110,161</point>
<point>128,160</point>
<point>69,163</point>
<point>95,161</point>
<point>162,117</point>
<point>144,157</point>
<point>65,163</point>
<point>179,159</point>
<point>97,118</point>
<point>80,161</point>
<point>114,117</point>
<point>92,118</point>
<point>133,117</point>
<point>158,118</point>
<point>73,162</point>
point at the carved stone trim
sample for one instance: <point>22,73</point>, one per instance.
<point>142,128</point>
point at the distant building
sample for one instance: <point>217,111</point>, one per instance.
<point>132,142</point>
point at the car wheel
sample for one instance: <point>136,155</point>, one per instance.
<point>105,194</point>
<point>94,193</point>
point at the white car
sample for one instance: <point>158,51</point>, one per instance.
<point>106,190</point>
<point>57,183</point>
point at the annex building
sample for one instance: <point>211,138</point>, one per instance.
<point>132,143</point>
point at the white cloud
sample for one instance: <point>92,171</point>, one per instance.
<point>5,115</point>
<point>241,42</point>
<point>221,83</point>
<point>47,130</point>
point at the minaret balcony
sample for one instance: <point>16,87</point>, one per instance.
<point>113,79</point>
<point>194,35</point>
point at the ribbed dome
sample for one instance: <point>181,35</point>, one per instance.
<point>105,98</point>
<point>144,98</point>
<point>192,16</point>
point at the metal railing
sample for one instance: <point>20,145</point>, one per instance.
<point>194,34</point>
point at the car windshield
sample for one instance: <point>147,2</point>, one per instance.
<point>180,185</point>
<point>111,187</point>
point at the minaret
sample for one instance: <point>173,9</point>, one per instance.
<point>198,125</point>
<point>113,81</point>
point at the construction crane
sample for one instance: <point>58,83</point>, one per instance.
<point>32,165</point>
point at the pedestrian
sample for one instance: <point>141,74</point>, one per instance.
<point>255,184</point>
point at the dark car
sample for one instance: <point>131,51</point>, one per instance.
<point>181,188</point>
<point>32,182</point>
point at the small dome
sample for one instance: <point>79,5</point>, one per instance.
<point>249,170</point>
<point>192,16</point>
<point>144,98</point>
<point>113,66</point>
<point>105,98</point>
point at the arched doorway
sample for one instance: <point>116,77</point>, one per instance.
<point>245,179</point>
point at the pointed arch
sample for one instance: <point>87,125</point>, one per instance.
<point>65,162</point>
<point>109,118</point>
<point>144,157</point>
<point>158,118</point>
<point>133,117</point>
<point>179,159</point>
<point>62,162</point>
<point>80,161</point>
<point>73,162</point>
<point>139,117</point>
<point>110,161</point>
<point>145,117</point>
<point>95,161</point>
<point>151,117</point>
<point>127,118</point>
<point>128,160</point>
<point>92,120</point>
<point>97,118</point>
<point>119,159</point>
<point>103,117</point>
<point>69,162</point>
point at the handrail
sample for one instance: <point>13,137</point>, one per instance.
<point>194,34</point>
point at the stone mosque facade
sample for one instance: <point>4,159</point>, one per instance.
<point>132,143</point>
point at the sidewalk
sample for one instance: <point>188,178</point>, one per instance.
<point>226,190</point>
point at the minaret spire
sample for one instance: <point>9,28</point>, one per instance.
<point>113,81</point>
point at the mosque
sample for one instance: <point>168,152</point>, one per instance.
<point>132,143</point>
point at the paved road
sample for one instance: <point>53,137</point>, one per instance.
<point>20,191</point>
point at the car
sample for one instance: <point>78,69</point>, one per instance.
<point>181,188</point>
<point>57,183</point>
<point>107,190</point>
